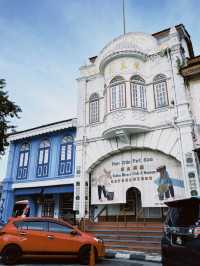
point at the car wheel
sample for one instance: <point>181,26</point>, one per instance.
<point>11,254</point>
<point>84,255</point>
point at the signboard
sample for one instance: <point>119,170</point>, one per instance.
<point>157,176</point>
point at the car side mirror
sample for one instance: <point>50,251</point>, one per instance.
<point>74,233</point>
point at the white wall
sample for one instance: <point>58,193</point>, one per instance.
<point>169,129</point>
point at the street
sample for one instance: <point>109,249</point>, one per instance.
<point>73,262</point>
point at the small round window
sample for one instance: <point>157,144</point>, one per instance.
<point>191,175</point>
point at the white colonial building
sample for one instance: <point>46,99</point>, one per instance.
<point>137,126</point>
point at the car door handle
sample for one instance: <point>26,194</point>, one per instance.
<point>50,237</point>
<point>23,233</point>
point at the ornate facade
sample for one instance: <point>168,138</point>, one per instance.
<point>135,133</point>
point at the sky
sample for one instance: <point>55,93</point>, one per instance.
<point>44,42</point>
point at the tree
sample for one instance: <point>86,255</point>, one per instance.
<point>8,110</point>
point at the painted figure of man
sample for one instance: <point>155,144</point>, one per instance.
<point>165,185</point>
<point>102,181</point>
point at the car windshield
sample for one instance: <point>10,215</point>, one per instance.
<point>183,216</point>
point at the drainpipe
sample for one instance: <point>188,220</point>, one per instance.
<point>174,122</point>
<point>84,152</point>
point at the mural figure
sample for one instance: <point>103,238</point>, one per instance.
<point>21,208</point>
<point>26,211</point>
<point>102,182</point>
<point>165,185</point>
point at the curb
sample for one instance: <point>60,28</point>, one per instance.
<point>130,255</point>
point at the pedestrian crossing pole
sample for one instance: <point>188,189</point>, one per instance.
<point>92,256</point>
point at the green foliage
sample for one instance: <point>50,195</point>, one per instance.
<point>8,111</point>
<point>164,52</point>
<point>179,64</point>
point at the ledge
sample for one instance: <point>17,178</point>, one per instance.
<point>125,130</point>
<point>106,60</point>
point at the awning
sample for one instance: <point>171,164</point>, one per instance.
<point>58,189</point>
<point>45,190</point>
<point>27,191</point>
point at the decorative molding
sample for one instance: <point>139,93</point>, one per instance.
<point>43,130</point>
<point>135,53</point>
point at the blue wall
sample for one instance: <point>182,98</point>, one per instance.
<point>55,141</point>
<point>13,161</point>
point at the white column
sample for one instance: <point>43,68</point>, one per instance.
<point>189,163</point>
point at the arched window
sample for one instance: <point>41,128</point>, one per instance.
<point>94,108</point>
<point>138,92</point>
<point>23,161</point>
<point>66,156</point>
<point>43,158</point>
<point>117,93</point>
<point>160,91</point>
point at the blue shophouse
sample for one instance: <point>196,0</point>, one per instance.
<point>40,172</point>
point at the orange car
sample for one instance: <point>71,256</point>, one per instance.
<point>45,236</point>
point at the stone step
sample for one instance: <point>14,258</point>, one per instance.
<point>133,222</point>
<point>124,229</point>
<point>128,225</point>
<point>134,236</point>
<point>125,225</point>
<point>120,237</point>
<point>132,242</point>
<point>127,233</point>
<point>135,247</point>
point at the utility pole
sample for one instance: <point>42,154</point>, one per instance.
<point>124,20</point>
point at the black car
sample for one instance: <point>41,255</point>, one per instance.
<point>181,240</point>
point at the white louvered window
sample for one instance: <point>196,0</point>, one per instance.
<point>117,93</point>
<point>63,152</point>
<point>94,108</point>
<point>23,161</point>
<point>138,92</point>
<point>66,156</point>
<point>69,152</point>
<point>43,158</point>
<point>160,91</point>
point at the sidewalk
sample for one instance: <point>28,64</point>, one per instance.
<point>133,255</point>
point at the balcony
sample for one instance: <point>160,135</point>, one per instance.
<point>126,122</point>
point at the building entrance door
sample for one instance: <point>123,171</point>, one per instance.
<point>133,203</point>
<point>66,207</point>
<point>48,206</point>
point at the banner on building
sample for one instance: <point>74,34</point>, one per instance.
<point>157,176</point>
